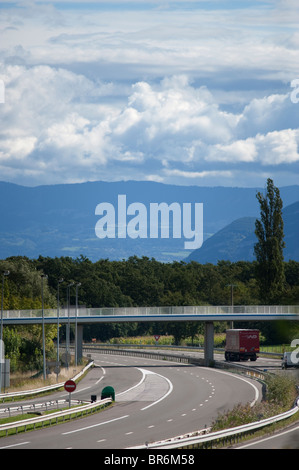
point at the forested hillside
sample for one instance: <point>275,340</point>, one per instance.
<point>133,282</point>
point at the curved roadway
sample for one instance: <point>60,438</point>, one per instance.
<point>154,400</point>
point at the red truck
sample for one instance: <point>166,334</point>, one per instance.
<point>242,345</point>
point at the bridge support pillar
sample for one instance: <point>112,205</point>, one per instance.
<point>209,343</point>
<point>79,342</point>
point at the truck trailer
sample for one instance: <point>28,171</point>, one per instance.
<point>242,345</point>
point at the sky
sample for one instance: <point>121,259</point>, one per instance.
<point>180,92</point>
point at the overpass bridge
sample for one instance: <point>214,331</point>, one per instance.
<point>207,314</point>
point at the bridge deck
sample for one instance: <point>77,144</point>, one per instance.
<point>131,314</point>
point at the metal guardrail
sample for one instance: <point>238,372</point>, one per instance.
<point>54,416</point>
<point>184,359</point>
<point>196,441</point>
<point>170,443</point>
<point>37,407</point>
<point>48,388</point>
<point>171,346</point>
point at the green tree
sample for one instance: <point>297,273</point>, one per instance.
<point>269,247</point>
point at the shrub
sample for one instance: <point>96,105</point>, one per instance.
<point>281,393</point>
<point>281,390</point>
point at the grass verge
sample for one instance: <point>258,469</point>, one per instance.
<point>280,396</point>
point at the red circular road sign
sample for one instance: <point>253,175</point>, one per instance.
<point>70,386</point>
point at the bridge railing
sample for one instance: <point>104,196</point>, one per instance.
<point>147,311</point>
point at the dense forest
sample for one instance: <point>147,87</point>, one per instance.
<point>133,282</point>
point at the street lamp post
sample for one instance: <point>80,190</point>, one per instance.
<point>2,353</point>
<point>43,276</point>
<point>76,325</point>
<point>232,300</point>
<point>68,324</point>
<point>57,360</point>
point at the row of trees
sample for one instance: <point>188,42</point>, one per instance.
<point>138,282</point>
<point>134,282</point>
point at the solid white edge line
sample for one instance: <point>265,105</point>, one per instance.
<point>244,380</point>
<point>268,438</point>
<point>15,445</point>
<point>134,386</point>
<point>104,373</point>
<point>164,396</point>
<point>94,425</point>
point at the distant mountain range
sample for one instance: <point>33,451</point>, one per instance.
<point>236,241</point>
<point>60,220</point>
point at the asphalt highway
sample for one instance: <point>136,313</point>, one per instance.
<point>154,400</point>
<point>284,439</point>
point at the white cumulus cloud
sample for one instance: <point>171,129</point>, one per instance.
<point>166,92</point>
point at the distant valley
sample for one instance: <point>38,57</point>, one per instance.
<point>60,220</point>
<point>236,241</point>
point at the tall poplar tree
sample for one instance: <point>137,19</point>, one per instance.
<point>269,247</point>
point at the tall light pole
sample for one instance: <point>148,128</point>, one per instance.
<point>232,299</point>
<point>68,324</point>
<point>43,276</point>
<point>2,353</point>
<point>57,360</point>
<point>76,325</point>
